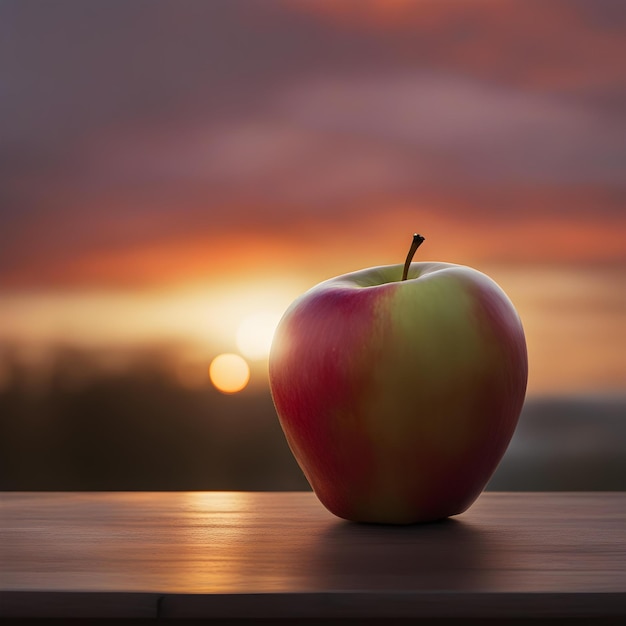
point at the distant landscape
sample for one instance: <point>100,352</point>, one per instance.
<point>83,428</point>
<point>567,444</point>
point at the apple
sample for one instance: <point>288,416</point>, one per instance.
<point>399,388</point>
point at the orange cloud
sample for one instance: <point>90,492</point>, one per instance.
<point>470,230</point>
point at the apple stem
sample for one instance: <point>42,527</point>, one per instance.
<point>417,242</point>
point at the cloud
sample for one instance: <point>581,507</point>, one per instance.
<point>573,46</point>
<point>325,141</point>
<point>480,131</point>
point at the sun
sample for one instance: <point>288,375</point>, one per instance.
<point>229,373</point>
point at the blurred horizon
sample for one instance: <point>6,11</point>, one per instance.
<point>174,173</point>
<point>574,323</point>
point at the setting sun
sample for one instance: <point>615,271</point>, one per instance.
<point>229,373</point>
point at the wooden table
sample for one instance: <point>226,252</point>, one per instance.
<point>282,558</point>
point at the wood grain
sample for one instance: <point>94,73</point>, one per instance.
<point>282,556</point>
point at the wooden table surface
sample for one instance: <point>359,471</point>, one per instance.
<point>282,556</point>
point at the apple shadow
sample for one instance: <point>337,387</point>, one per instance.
<point>450,555</point>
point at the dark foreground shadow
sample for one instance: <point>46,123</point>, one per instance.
<point>450,554</point>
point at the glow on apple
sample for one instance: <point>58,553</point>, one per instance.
<point>399,388</point>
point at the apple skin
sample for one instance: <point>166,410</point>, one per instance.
<point>399,398</point>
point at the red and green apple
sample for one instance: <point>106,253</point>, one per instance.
<point>399,388</point>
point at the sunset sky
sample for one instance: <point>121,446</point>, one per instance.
<point>171,169</point>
